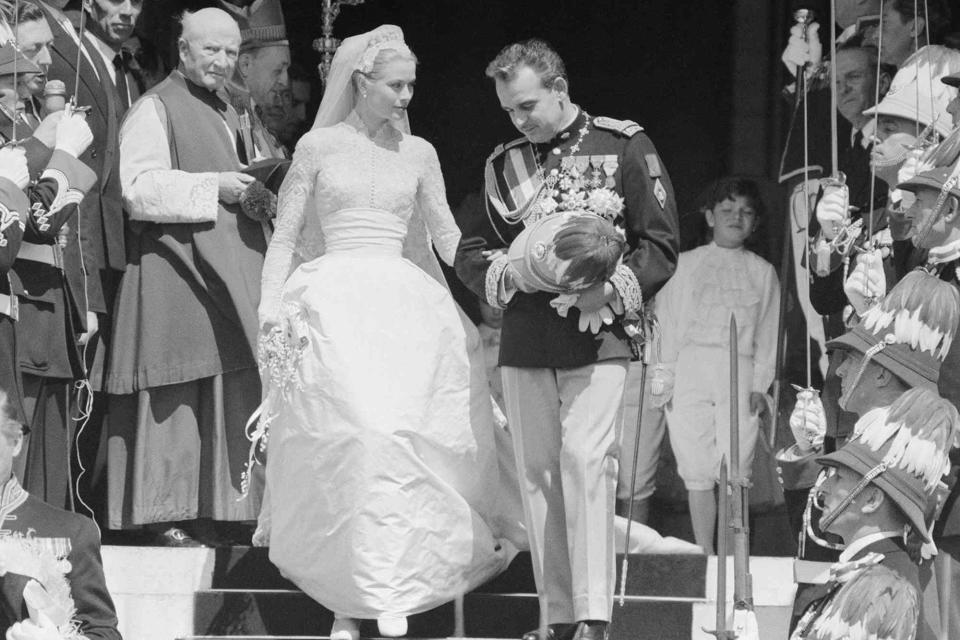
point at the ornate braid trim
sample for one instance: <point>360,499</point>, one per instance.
<point>626,284</point>
<point>492,282</point>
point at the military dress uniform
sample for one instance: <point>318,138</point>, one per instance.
<point>14,208</point>
<point>563,387</point>
<point>71,538</point>
<point>50,317</point>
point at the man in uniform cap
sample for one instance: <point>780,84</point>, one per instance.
<point>261,76</point>
<point>873,490</point>
<point>564,366</point>
<point>899,344</point>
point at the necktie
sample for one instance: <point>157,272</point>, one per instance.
<point>120,65</point>
<point>858,140</point>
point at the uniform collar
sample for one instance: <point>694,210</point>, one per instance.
<point>859,545</point>
<point>567,134</point>
<point>12,496</point>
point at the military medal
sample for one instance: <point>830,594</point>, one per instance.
<point>610,166</point>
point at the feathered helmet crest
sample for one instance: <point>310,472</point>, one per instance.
<point>904,451</point>
<point>909,332</point>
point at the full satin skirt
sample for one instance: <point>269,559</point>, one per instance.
<point>381,467</point>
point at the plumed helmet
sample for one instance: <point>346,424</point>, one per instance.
<point>916,92</point>
<point>904,451</point>
<point>567,251</point>
<point>909,332</point>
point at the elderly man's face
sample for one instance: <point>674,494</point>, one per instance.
<point>535,110</point>
<point>264,71</point>
<point>209,56</point>
<point>34,39</point>
<point>113,20</point>
<point>856,86</point>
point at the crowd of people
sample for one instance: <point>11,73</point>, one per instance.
<point>207,339</point>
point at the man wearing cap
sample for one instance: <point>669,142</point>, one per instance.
<point>183,369</point>
<point>260,78</point>
<point>564,374</point>
<point>881,359</point>
<point>871,491</point>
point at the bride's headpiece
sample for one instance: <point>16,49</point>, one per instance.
<point>356,53</point>
<point>386,37</point>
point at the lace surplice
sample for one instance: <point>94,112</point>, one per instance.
<point>342,167</point>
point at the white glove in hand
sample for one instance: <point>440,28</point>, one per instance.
<point>808,422</point>
<point>595,320</point>
<point>800,52</point>
<point>13,166</point>
<point>46,131</point>
<point>832,212</point>
<point>30,630</point>
<point>73,134</point>
<point>563,303</point>
<point>661,384</point>
<point>868,283</point>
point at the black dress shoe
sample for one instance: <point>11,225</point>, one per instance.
<point>592,630</point>
<point>557,631</point>
<point>177,537</point>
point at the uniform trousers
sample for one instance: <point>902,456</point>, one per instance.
<point>44,461</point>
<point>649,429</point>
<point>565,425</point>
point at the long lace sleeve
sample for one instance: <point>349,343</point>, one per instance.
<point>296,192</point>
<point>433,206</point>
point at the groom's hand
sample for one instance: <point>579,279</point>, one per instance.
<point>596,297</point>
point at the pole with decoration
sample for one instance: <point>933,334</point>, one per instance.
<point>326,44</point>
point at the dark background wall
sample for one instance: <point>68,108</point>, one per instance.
<point>667,64</point>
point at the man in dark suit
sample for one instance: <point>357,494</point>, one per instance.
<point>71,539</point>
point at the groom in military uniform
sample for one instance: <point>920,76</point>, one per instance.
<point>563,366</point>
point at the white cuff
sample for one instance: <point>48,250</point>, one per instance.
<point>627,286</point>
<point>493,280</point>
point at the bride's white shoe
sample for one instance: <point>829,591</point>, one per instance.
<point>392,626</point>
<point>344,629</point>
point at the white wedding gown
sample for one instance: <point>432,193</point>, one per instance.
<point>381,465</point>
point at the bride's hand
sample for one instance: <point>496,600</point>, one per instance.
<point>492,254</point>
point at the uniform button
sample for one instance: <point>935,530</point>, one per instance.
<point>556,151</point>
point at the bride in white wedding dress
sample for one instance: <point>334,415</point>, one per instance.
<point>381,468</point>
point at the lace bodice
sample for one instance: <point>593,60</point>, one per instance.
<point>340,168</point>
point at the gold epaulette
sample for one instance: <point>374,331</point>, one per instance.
<point>627,128</point>
<point>503,147</point>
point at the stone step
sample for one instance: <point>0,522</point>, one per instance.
<point>648,575</point>
<point>162,594</point>
<point>279,613</point>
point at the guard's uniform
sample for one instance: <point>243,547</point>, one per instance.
<point>877,590</point>
<point>14,207</point>
<point>70,537</point>
<point>50,317</point>
<point>563,387</point>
